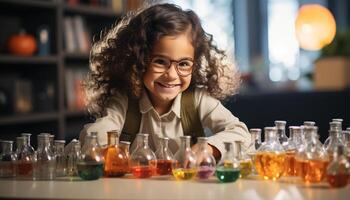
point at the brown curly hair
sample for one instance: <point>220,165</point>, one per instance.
<point>119,58</point>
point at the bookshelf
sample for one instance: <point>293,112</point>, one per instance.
<point>49,110</point>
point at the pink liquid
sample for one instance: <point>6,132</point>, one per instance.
<point>205,172</point>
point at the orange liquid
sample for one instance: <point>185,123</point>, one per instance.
<point>143,171</point>
<point>164,167</point>
<point>312,171</point>
<point>116,164</point>
<point>290,164</point>
<point>25,168</point>
<point>270,165</point>
<point>339,180</point>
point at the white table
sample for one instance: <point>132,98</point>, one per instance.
<point>168,188</point>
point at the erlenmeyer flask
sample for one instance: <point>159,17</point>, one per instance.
<point>270,159</point>
<point>186,166</point>
<point>205,160</point>
<point>90,164</point>
<point>227,169</point>
<point>165,159</point>
<point>143,160</point>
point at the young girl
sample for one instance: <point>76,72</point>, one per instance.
<point>153,57</point>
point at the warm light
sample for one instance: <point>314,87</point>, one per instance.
<point>315,27</point>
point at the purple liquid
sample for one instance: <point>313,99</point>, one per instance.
<point>205,172</point>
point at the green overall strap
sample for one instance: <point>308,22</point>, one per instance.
<point>191,124</point>
<point>132,121</point>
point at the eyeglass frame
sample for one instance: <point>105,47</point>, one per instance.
<point>171,61</point>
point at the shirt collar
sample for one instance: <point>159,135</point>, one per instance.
<point>146,105</point>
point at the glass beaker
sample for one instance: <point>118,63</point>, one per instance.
<point>116,161</point>
<point>186,166</point>
<point>228,169</point>
<point>165,158</point>
<point>245,163</point>
<point>338,171</point>
<point>143,160</point>
<point>7,160</point>
<point>270,158</point>
<point>90,165</point>
<point>205,160</point>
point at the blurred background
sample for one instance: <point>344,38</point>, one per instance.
<point>294,56</point>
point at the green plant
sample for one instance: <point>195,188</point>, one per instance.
<point>339,47</point>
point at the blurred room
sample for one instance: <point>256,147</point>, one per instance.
<point>44,56</point>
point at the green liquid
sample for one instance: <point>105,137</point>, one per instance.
<point>90,170</point>
<point>226,175</point>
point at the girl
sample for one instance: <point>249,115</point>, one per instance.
<point>153,58</point>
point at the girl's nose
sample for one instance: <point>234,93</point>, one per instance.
<point>171,72</point>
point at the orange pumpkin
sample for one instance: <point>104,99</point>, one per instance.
<point>22,44</point>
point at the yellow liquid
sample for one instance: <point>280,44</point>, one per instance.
<point>246,168</point>
<point>270,165</point>
<point>184,174</point>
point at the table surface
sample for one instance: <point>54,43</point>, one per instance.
<point>166,187</point>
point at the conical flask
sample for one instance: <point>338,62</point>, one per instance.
<point>228,169</point>
<point>186,166</point>
<point>206,163</point>
<point>165,159</point>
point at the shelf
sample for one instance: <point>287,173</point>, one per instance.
<point>28,118</point>
<point>9,59</point>
<point>77,56</point>
<point>91,11</point>
<point>32,3</point>
<point>75,113</point>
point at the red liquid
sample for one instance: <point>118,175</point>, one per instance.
<point>164,167</point>
<point>25,168</point>
<point>143,172</point>
<point>339,180</point>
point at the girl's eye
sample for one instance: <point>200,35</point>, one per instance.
<point>185,63</point>
<point>160,61</point>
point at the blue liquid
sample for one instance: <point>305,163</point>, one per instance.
<point>90,170</point>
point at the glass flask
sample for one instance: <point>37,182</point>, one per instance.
<point>29,146</point>
<point>335,127</point>
<point>206,163</point>
<point>165,158</point>
<point>125,147</point>
<point>270,158</point>
<point>228,169</point>
<point>291,149</point>
<point>61,169</point>
<point>73,155</point>
<point>254,145</point>
<point>312,159</point>
<point>102,148</point>
<point>7,160</point>
<point>338,171</point>
<point>90,164</point>
<point>26,158</point>
<point>335,139</point>
<point>347,143</point>
<point>45,166</point>
<point>116,160</point>
<point>281,131</point>
<point>245,163</point>
<point>186,166</point>
<point>143,160</point>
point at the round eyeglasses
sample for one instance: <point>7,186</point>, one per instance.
<point>161,64</point>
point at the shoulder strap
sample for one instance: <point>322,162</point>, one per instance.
<point>190,121</point>
<point>132,121</point>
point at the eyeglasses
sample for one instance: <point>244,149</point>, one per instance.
<point>161,64</point>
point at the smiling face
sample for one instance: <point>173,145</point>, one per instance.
<point>163,87</point>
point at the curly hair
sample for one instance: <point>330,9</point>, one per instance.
<point>119,58</point>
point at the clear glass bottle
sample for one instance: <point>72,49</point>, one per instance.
<point>291,149</point>
<point>312,159</point>
<point>244,160</point>
<point>73,155</point>
<point>125,147</point>
<point>90,164</point>
<point>7,160</point>
<point>143,160</point>
<point>26,158</point>
<point>281,131</point>
<point>270,158</point>
<point>116,160</point>
<point>338,171</point>
<point>347,143</point>
<point>335,139</point>
<point>254,146</point>
<point>45,167</point>
<point>228,169</point>
<point>186,166</point>
<point>61,168</point>
<point>30,147</point>
<point>206,163</point>
<point>335,127</point>
<point>165,158</point>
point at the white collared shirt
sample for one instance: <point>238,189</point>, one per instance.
<point>213,115</point>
